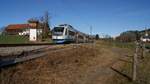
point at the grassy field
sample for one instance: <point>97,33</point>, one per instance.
<point>16,39</point>
<point>129,45</point>
<point>82,64</point>
<point>13,39</point>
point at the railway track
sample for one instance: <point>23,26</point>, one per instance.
<point>25,44</point>
<point>25,56</point>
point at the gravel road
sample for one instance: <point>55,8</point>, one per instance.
<point>6,51</point>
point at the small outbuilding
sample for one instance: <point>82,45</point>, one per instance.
<point>146,37</point>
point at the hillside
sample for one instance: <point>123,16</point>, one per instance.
<point>132,35</point>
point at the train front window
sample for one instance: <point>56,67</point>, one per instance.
<point>58,31</point>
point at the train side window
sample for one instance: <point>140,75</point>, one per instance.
<point>80,36</point>
<point>71,33</point>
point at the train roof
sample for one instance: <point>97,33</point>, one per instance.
<point>67,25</point>
<point>72,28</point>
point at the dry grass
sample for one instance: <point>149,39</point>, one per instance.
<point>56,68</point>
<point>143,74</point>
<point>85,64</point>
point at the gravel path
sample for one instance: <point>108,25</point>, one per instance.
<point>6,51</point>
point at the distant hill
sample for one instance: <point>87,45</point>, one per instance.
<point>143,32</point>
<point>129,36</point>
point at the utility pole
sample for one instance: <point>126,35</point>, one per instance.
<point>91,38</point>
<point>91,30</point>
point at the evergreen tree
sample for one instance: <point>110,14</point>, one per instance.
<point>97,37</point>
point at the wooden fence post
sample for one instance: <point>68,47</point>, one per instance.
<point>135,61</point>
<point>144,50</point>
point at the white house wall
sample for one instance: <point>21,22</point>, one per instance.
<point>33,35</point>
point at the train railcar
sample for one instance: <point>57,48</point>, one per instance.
<point>65,33</point>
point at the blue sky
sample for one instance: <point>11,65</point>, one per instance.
<point>105,16</point>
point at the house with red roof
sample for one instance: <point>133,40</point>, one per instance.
<point>23,29</point>
<point>32,29</point>
<point>18,29</point>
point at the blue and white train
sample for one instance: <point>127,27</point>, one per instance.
<point>65,33</point>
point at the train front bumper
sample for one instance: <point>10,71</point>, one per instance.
<point>59,41</point>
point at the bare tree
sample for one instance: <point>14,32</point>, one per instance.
<point>33,19</point>
<point>3,30</point>
<point>46,27</point>
<point>43,23</point>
